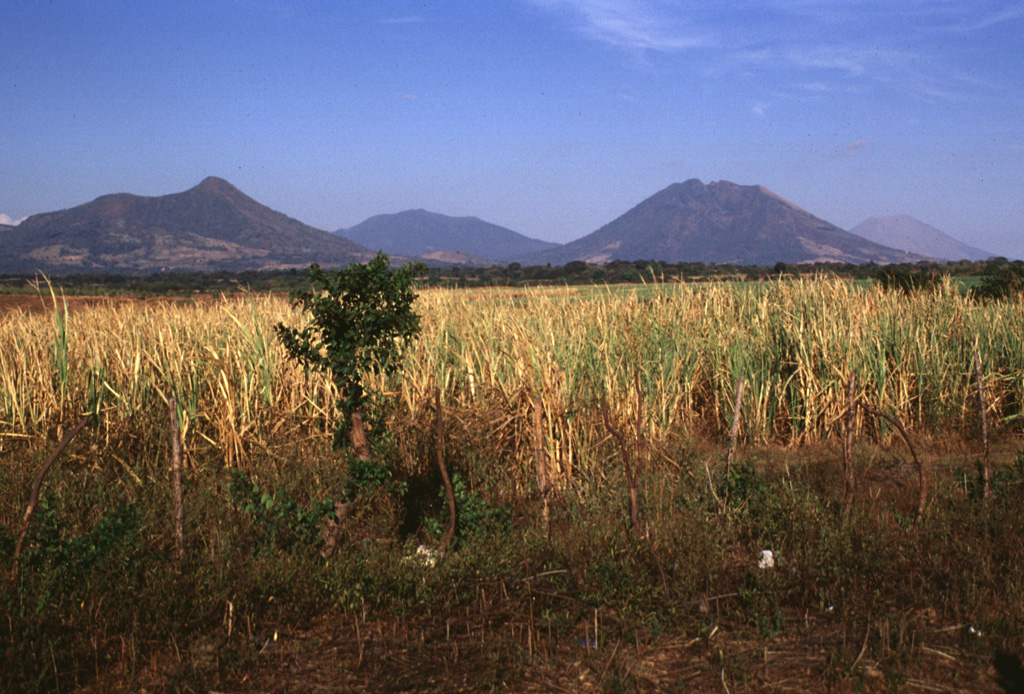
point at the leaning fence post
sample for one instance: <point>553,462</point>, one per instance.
<point>179,506</point>
<point>735,422</point>
<point>448,491</point>
<point>33,499</point>
<point>985,469</point>
<point>922,467</point>
<point>541,458</point>
<point>849,478</point>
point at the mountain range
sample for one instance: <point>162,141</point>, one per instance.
<point>908,234</point>
<point>214,226</point>
<point>431,235</point>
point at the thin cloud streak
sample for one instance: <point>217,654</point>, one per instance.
<point>629,24</point>
<point>1007,14</point>
<point>774,36</point>
<point>411,19</point>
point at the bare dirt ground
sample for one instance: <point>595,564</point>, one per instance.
<point>498,650</point>
<point>34,303</point>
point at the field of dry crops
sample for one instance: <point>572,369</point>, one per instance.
<point>493,353</point>
<point>106,597</point>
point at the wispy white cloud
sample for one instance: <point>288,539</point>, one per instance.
<point>852,149</point>
<point>991,18</point>
<point>759,108</point>
<point>853,62</point>
<point>409,19</point>
<point>818,87</point>
<point>6,219</point>
<point>406,97</point>
<point>814,45</point>
<point>632,24</point>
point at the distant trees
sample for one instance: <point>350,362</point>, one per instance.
<point>990,275</point>
<point>1002,279</point>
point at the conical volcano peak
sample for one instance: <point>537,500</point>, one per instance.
<point>691,186</point>
<point>721,222</point>
<point>212,184</point>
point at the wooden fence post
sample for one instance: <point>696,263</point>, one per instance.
<point>986,472</point>
<point>922,468</point>
<point>179,504</point>
<point>33,499</point>
<point>540,455</point>
<point>449,492</point>
<point>734,432</point>
<point>849,477</point>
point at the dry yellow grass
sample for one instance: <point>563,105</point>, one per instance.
<point>493,352</point>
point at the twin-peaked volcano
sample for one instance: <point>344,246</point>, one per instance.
<point>720,222</point>
<point>213,226</point>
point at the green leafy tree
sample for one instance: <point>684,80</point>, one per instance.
<point>360,319</point>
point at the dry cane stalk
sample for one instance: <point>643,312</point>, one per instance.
<point>33,499</point>
<point>849,480</point>
<point>449,492</point>
<point>542,465</point>
<point>179,507</point>
<point>740,383</point>
<point>985,469</point>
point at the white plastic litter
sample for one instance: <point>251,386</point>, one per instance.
<point>767,560</point>
<point>425,556</point>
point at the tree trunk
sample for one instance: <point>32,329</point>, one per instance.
<point>357,435</point>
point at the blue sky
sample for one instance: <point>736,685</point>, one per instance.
<point>550,117</point>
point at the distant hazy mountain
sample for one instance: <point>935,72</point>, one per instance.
<point>418,232</point>
<point>909,234</point>
<point>211,227</point>
<point>720,223</point>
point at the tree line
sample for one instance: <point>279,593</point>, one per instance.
<point>993,278</point>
